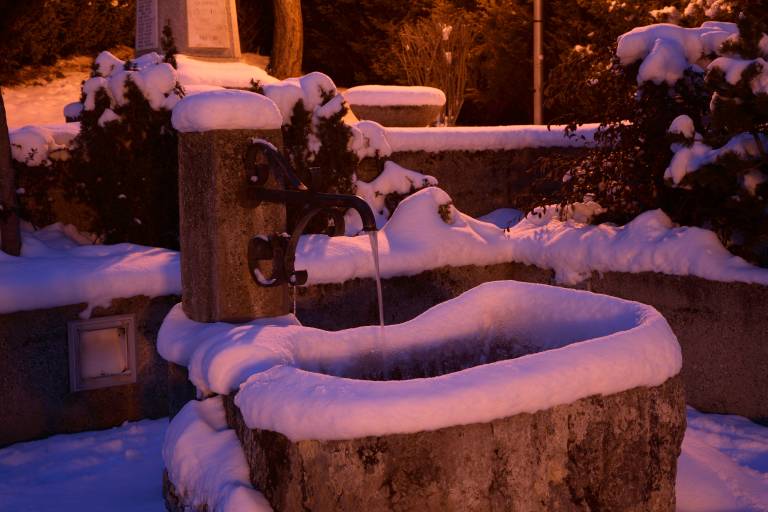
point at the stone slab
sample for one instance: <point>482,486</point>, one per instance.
<point>200,28</point>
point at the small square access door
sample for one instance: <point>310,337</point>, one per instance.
<point>102,352</point>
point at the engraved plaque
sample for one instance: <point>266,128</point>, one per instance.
<point>208,24</point>
<point>146,25</point>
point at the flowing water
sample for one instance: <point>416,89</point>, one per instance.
<point>373,236</point>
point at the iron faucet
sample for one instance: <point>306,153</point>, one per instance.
<point>264,161</point>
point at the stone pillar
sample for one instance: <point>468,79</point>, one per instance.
<point>217,219</point>
<point>201,28</point>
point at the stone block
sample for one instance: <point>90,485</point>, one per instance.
<point>218,216</point>
<point>616,452</point>
<point>399,115</point>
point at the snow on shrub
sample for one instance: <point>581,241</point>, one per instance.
<point>686,129</point>
<point>125,156</point>
<point>125,161</point>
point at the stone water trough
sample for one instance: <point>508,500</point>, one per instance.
<point>512,396</point>
<point>393,105</point>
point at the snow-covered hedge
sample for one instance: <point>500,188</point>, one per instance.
<point>685,129</point>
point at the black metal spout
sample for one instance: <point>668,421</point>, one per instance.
<point>264,162</point>
<point>263,157</point>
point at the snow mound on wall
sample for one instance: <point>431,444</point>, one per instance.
<point>486,138</point>
<point>416,238</point>
<point>226,110</point>
<point>388,95</point>
<point>667,50</point>
<point>54,270</point>
<point>205,462</point>
<point>394,179</point>
<point>369,139</point>
<point>193,71</point>
<point>629,345</point>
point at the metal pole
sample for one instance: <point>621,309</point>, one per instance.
<point>538,60</point>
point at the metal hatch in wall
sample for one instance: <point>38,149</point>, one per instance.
<point>102,352</point>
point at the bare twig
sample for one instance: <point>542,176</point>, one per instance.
<point>435,52</point>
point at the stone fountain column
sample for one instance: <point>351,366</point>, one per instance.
<point>217,219</point>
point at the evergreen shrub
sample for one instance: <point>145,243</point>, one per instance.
<point>629,170</point>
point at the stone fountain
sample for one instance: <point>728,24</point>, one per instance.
<point>510,397</point>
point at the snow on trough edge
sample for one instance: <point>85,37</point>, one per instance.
<point>388,95</point>
<point>275,366</point>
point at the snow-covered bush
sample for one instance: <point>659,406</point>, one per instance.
<point>685,129</point>
<point>325,147</point>
<point>125,156</point>
<point>41,158</point>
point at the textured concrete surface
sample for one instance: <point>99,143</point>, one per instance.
<point>481,181</point>
<point>218,216</point>
<point>616,452</point>
<point>722,327</point>
<point>34,373</point>
<point>417,116</point>
<point>353,303</point>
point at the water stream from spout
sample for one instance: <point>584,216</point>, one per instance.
<point>373,236</point>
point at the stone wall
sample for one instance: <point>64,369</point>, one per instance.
<point>34,373</point>
<point>722,327</point>
<point>616,452</point>
<point>482,181</point>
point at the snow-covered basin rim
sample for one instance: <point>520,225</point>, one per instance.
<point>394,95</point>
<point>638,350</point>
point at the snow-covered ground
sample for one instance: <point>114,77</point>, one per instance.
<point>724,467</point>
<point>42,104</point>
<point>119,470</point>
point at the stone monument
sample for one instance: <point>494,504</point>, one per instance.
<point>200,28</point>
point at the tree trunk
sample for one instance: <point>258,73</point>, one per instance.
<point>288,43</point>
<point>10,236</point>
